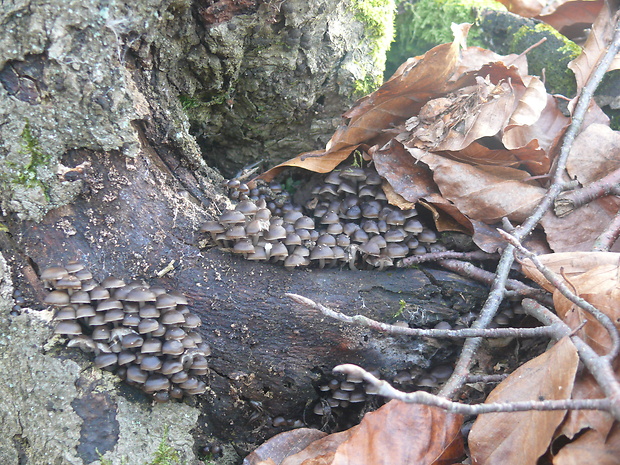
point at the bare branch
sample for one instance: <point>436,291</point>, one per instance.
<point>435,256</point>
<point>569,201</point>
<point>559,283</point>
<point>360,320</point>
<point>383,388</point>
<point>607,239</point>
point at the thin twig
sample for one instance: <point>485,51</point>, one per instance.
<point>383,388</point>
<point>600,367</point>
<point>561,286</point>
<point>605,241</point>
<point>569,201</point>
<point>435,256</point>
<point>495,295</point>
<point>361,320</point>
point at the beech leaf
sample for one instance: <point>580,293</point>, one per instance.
<point>400,433</point>
<point>484,193</point>
<point>592,447</point>
<point>496,437</point>
<point>282,445</point>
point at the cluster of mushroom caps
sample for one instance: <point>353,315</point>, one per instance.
<point>339,393</point>
<point>347,221</point>
<point>145,335</point>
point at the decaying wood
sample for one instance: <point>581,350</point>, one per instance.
<point>138,218</point>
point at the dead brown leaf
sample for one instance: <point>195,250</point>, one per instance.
<point>572,13</point>
<point>591,448</point>
<point>595,47</point>
<point>496,437</point>
<point>400,433</point>
<point>595,153</point>
<point>572,264</point>
<point>525,8</point>
<point>322,451</point>
<point>484,193</point>
<point>283,445</point>
<point>600,287</point>
<point>577,421</point>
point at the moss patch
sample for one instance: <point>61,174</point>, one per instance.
<point>550,59</point>
<point>421,25</point>
<point>27,175</point>
<point>378,19</point>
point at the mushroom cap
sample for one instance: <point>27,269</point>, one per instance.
<point>105,360</point>
<point>231,217</point>
<point>125,357</point>
<point>259,254</point>
<point>99,293</point>
<point>97,320</point>
<point>53,273</point>
<point>179,297</point>
<point>65,313</point>
<point>101,333</point>
<point>330,217</point>
<point>247,207</point>
<point>278,250</point>
<point>165,301</point>
<point>326,239</point>
<point>140,295</point>
<point>73,266</point>
<point>109,304</point>
<point>255,227</point>
<point>85,311</point>
<point>174,332</point>
<point>236,232</point>
<point>83,342</point>
<point>135,374</point>
<point>370,248</point>
<point>340,395</point>
<point>427,236</point>
<point>80,297</point>
<point>244,246</point>
<point>357,397</point>
<point>413,226</point>
<point>148,325</point>
<point>173,347</point>
<point>192,321</point>
<point>68,282</point>
<point>275,232</point>
<point>353,172</point>
<point>395,218</point>
<point>131,320</point>
<point>333,177</point>
<point>170,367</point>
<point>131,341</point>
<point>304,222</point>
<point>294,260</point>
<point>149,311</point>
<point>150,363</point>
<point>68,328</point>
<point>199,363</point>
<point>179,377</point>
<point>321,252</point>
<point>394,235</point>
<point>200,388</point>
<point>151,346</point>
<point>172,317</point>
<point>396,250</point>
<point>292,216</point>
<point>116,314</point>
<point>57,298</point>
<point>370,227</point>
<point>112,283</point>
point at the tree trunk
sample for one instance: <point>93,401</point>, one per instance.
<point>98,165</point>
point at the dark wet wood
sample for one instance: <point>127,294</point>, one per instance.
<point>135,217</point>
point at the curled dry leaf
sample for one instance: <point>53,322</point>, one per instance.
<point>526,8</point>
<point>591,448</point>
<point>572,264</point>
<point>501,437</point>
<point>282,445</point>
<point>321,451</point>
<point>483,193</point>
<point>400,433</point>
<point>595,46</point>
<point>571,14</point>
<point>595,153</point>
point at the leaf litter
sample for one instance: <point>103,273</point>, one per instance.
<point>470,135</point>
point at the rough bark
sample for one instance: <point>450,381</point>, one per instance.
<point>98,165</point>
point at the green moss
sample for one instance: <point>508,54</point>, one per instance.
<point>165,453</point>
<point>188,102</point>
<point>421,25</point>
<point>27,174</point>
<point>550,58</point>
<point>378,19</point>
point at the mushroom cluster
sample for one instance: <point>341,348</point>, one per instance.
<point>145,335</point>
<point>342,393</point>
<point>347,221</point>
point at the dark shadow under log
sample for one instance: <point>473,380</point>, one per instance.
<point>137,216</point>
